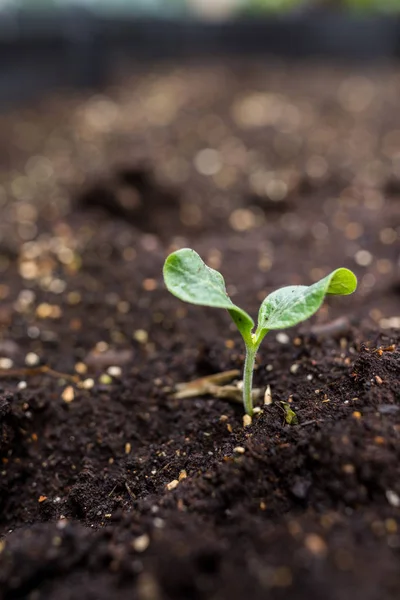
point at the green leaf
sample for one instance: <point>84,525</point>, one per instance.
<point>190,279</point>
<point>290,415</point>
<point>291,305</point>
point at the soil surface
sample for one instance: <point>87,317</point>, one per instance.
<point>110,487</point>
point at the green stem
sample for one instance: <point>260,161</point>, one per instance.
<point>251,351</point>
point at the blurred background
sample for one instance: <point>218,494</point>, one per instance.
<point>274,122</point>
<point>48,43</point>
<point>207,8</point>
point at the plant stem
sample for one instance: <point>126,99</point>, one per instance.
<point>251,351</point>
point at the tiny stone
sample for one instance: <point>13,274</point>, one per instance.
<point>74,298</point>
<point>315,544</point>
<point>268,396</point>
<point>172,484</point>
<point>141,336</point>
<point>87,384</point>
<point>246,420</point>
<point>105,379</point>
<point>348,469</point>
<point>128,448</point>
<point>269,367</point>
<point>393,498</point>
<point>208,162</point>
<point>33,332</point>
<point>81,368</point>
<point>159,523</point>
<point>68,394</point>
<point>282,338</point>
<point>239,450</point>
<point>300,488</point>
<point>310,377</point>
<point>149,285</point>
<point>378,380</point>
<point>32,359</point>
<point>182,475</point>
<point>294,368</point>
<point>363,258</point>
<point>114,371</point>
<point>6,363</point>
<point>141,543</point>
<point>62,523</point>
<point>101,347</point>
<point>257,410</point>
<point>57,286</point>
<point>22,385</point>
<point>390,323</point>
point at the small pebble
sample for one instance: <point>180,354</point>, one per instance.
<point>246,420</point>
<point>87,384</point>
<point>390,323</point>
<point>101,347</point>
<point>282,338</point>
<point>378,380</point>
<point>363,258</point>
<point>310,377</point>
<point>315,544</point>
<point>141,543</point>
<point>6,363</point>
<point>207,162</point>
<point>81,368</point>
<point>22,385</point>
<point>172,484</point>
<point>149,285</point>
<point>269,368</point>
<point>114,371</point>
<point>159,523</point>
<point>128,448</point>
<point>68,394</point>
<point>105,379</point>
<point>348,469</point>
<point>393,498</point>
<point>268,396</point>
<point>141,336</point>
<point>239,450</point>
<point>294,368</point>
<point>182,475</point>
<point>32,359</point>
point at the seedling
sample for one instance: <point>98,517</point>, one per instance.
<point>190,279</point>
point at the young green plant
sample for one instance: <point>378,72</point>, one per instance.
<point>190,279</point>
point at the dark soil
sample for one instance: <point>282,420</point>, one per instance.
<point>94,193</point>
